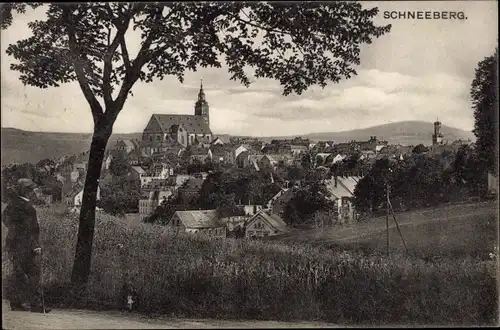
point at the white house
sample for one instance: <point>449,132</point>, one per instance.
<point>150,201</point>
<point>74,198</point>
<point>341,193</point>
<point>238,150</point>
<point>251,209</point>
<point>108,161</point>
<point>338,158</point>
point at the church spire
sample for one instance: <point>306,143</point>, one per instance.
<point>201,94</point>
<point>201,106</point>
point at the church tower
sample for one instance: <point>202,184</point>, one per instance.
<point>201,106</point>
<point>437,137</point>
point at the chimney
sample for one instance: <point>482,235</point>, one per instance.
<point>335,181</point>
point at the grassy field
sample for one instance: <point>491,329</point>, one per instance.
<point>447,231</point>
<point>289,281</point>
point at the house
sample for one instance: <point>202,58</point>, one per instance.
<point>205,222</point>
<point>75,197</point>
<point>343,148</point>
<point>221,140</point>
<point>248,159</point>
<point>171,155</point>
<point>108,160</point>
<point>341,193</point>
<point>220,153</point>
<point>323,156</point>
<point>298,149</point>
<point>281,159</point>
<point>235,226</point>
<point>367,154</point>
<point>250,209</point>
<point>150,200</point>
<point>321,146</point>
<point>137,173</point>
<point>180,179</point>
<point>201,155</point>
<point>338,158</point>
<point>277,148</point>
<point>190,190</point>
<point>126,146</point>
<point>372,144</point>
<point>134,158</point>
<point>157,184</point>
<point>395,151</point>
<point>492,183</point>
<point>263,224</point>
<point>266,161</point>
<point>161,170</point>
<point>278,203</point>
<point>183,129</point>
<point>232,155</point>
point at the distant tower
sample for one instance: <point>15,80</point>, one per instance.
<point>201,106</point>
<point>437,137</point>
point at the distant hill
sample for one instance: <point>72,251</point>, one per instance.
<point>404,133</point>
<point>22,146</point>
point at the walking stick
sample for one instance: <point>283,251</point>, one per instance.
<point>41,284</point>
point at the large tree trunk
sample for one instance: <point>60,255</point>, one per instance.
<point>82,262</point>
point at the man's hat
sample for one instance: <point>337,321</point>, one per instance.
<point>26,184</point>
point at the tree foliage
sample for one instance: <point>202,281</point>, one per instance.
<point>484,95</point>
<point>419,149</point>
<point>167,208</point>
<point>226,207</point>
<point>245,187</point>
<point>297,44</point>
<point>119,165</point>
<point>311,197</point>
<point>43,179</point>
<point>420,181</point>
<point>120,196</point>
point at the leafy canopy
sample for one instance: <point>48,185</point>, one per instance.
<point>484,96</point>
<point>298,44</point>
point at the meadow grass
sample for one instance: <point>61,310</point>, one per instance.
<point>194,276</point>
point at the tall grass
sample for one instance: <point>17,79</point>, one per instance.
<point>223,278</point>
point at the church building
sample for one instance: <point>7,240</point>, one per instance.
<point>164,130</point>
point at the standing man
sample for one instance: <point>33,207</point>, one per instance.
<point>23,246</point>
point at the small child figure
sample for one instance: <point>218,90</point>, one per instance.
<point>129,299</point>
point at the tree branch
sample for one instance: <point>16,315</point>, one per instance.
<point>118,40</point>
<point>125,56</point>
<point>142,57</point>
<point>95,106</point>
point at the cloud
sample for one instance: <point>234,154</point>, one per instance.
<point>421,70</point>
<point>380,97</point>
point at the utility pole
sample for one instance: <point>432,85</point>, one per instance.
<point>391,210</point>
<point>387,214</point>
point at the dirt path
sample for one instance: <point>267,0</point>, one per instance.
<point>80,319</point>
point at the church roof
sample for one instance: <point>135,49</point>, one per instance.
<point>192,124</point>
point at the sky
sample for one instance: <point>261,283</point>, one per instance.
<point>421,70</point>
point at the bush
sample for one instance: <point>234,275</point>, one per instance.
<point>225,278</point>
